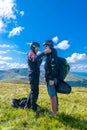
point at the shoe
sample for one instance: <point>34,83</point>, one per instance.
<point>51,114</point>
<point>38,112</point>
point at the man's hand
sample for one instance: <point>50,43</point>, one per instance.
<point>47,50</point>
<point>52,82</point>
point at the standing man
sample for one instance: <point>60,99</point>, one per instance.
<point>34,63</point>
<point>51,75</point>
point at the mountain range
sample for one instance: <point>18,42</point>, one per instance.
<point>20,75</point>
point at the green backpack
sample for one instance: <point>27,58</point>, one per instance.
<point>63,68</point>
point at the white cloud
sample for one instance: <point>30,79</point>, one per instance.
<point>76,57</point>
<point>7,9</point>
<point>15,31</point>
<point>7,12</point>
<point>19,52</point>
<point>6,65</point>
<point>16,65</point>
<point>3,52</point>
<point>6,46</point>
<point>2,65</point>
<point>78,68</point>
<point>22,13</point>
<point>55,39</point>
<point>2,26</point>
<point>6,51</point>
<point>29,43</point>
<point>9,62</point>
<point>39,52</point>
<point>2,62</point>
<point>2,58</point>
<point>63,45</point>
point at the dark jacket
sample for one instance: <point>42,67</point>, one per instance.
<point>51,70</point>
<point>34,63</point>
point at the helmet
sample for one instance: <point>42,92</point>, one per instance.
<point>49,43</point>
<point>34,45</point>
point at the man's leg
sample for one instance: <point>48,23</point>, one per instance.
<point>53,97</point>
<point>34,96</point>
<point>28,105</point>
<point>54,104</point>
<point>57,102</point>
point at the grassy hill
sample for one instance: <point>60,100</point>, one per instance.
<point>72,110</point>
<point>13,74</point>
<point>76,80</point>
<point>21,76</point>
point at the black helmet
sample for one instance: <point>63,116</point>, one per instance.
<point>49,43</point>
<point>34,45</point>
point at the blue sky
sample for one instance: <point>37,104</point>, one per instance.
<point>63,21</point>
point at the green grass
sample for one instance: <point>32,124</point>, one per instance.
<point>72,110</point>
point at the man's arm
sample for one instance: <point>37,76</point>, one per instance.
<point>46,51</point>
<point>34,58</point>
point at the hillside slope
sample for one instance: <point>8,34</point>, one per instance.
<point>21,76</point>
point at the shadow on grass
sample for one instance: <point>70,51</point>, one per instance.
<point>71,121</point>
<point>67,120</point>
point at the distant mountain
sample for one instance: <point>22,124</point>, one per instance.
<point>76,80</point>
<point>14,75</point>
<point>83,74</point>
<point>21,76</point>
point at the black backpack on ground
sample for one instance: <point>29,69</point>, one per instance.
<point>19,103</point>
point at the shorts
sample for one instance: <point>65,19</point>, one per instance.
<point>51,90</point>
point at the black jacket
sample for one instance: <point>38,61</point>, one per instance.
<point>51,70</point>
<point>34,63</point>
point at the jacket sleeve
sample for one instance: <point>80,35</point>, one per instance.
<point>35,58</point>
<point>54,61</point>
<point>40,57</point>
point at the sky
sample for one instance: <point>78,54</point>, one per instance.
<point>25,21</point>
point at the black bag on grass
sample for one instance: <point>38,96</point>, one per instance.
<point>19,103</point>
<point>63,87</point>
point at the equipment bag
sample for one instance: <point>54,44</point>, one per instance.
<point>19,103</point>
<point>63,68</point>
<point>63,87</point>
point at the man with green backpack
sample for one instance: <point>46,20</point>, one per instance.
<point>51,75</point>
<point>56,69</point>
